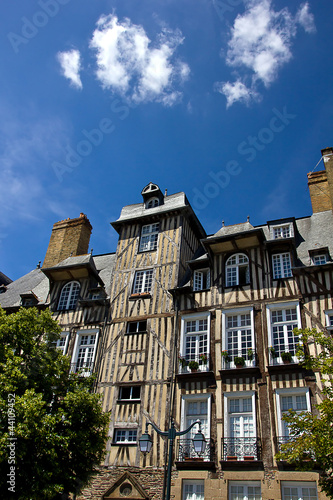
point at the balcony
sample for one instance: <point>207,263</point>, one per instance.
<point>82,369</point>
<point>237,449</point>
<point>187,458</point>
<point>203,362</point>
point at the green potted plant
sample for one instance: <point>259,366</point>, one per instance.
<point>203,358</point>
<point>239,361</point>
<point>193,366</point>
<point>182,361</point>
<point>272,351</point>
<point>250,354</point>
<point>225,356</point>
<point>286,357</point>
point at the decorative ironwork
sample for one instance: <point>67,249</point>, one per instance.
<point>186,451</point>
<point>203,360</point>
<point>84,369</point>
<point>282,440</point>
<point>237,448</point>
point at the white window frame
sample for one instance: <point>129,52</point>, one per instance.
<point>245,485</point>
<point>285,273</point>
<point>196,483</point>
<point>233,312</point>
<point>228,396</point>
<point>152,202</point>
<point>146,283</point>
<point>201,279</point>
<point>319,259</point>
<point>182,353</point>
<point>127,432</point>
<point>299,485</point>
<point>68,303</point>
<point>294,391</point>
<point>278,232</point>
<point>131,398</point>
<point>137,332</point>
<point>194,398</point>
<point>63,335</point>
<point>281,306</point>
<point>329,319</point>
<point>228,267</point>
<point>149,237</point>
<point>75,355</point>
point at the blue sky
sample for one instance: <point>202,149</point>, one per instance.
<point>227,100</point>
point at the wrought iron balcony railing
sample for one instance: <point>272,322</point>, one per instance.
<point>84,369</point>
<point>236,448</point>
<point>186,451</point>
<point>202,360</point>
<point>249,356</point>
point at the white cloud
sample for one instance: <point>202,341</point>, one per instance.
<point>260,44</point>
<point>305,18</point>
<point>127,63</point>
<point>236,91</point>
<point>70,63</point>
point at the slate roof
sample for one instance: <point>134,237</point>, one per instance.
<point>38,283</point>
<point>233,229</point>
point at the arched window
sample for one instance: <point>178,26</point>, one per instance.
<point>152,203</point>
<point>69,295</point>
<point>237,270</point>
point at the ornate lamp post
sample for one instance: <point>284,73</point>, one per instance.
<point>146,442</point>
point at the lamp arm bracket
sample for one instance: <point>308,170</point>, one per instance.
<point>181,433</point>
<point>161,433</point>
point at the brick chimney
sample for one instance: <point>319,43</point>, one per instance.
<point>321,184</point>
<point>69,237</point>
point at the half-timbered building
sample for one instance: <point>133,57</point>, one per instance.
<point>182,326</point>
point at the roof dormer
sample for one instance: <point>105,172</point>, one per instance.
<point>152,196</point>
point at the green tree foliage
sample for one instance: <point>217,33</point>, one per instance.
<point>311,443</point>
<point>52,428</point>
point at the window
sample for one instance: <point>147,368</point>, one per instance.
<point>195,340</point>
<point>240,441</point>
<point>149,235</point>
<point>319,259</point>
<point>62,342</point>
<point>137,326</point>
<point>143,281</point>
<point>329,320</point>
<point>297,490</point>
<point>282,319</point>
<point>152,203</point>
<point>127,393</point>
<point>195,408</point>
<point>201,279</point>
<point>237,270</point>
<point>125,436</point>
<point>69,295</point>
<point>193,490</point>
<point>84,352</point>
<point>281,266</point>
<point>283,231</point>
<point>244,490</point>
<point>239,335</point>
<point>297,399</point>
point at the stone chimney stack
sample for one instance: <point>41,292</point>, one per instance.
<point>69,237</point>
<point>321,184</point>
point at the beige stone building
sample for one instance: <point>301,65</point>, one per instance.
<point>182,326</point>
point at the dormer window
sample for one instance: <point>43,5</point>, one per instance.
<point>201,279</point>
<point>319,259</point>
<point>69,296</point>
<point>237,270</point>
<point>152,203</point>
<point>282,231</point>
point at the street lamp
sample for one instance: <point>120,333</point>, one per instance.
<point>146,442</point>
